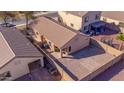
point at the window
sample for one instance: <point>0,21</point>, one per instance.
<point>64,51</point>
<point>85,28</point>
<point>86,19</point>
<point>97,17</point>
<point>72,24</point>
<point>5,75</point>
<point>69,49</point>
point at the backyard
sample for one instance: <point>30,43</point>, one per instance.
<point>113,38</point>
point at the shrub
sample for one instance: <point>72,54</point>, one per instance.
<point>120,37</point>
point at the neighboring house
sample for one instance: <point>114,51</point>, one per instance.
<point>58,38</point>
<point>16,54</point>
<point>79,20</point>
<point>76,56</point>
<point>113,17</point>
<point>90,21</point>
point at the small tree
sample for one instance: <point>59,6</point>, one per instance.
<point>4,16</point>
<point>120,37</point>
<point>13,15</point>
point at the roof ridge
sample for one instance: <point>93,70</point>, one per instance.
<point>67,27</point>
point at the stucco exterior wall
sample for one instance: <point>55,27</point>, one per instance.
<point>122,29</point>
<point>69,19</point>
<point>77,43</point>
<point>108,20</point>
<point>18,67</point>
<point>78,21</point>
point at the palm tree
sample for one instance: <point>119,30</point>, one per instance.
<point>28,15</point>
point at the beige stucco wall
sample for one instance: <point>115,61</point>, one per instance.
<point>122,29</point>
<point>18,67</point>
<point>21,27</point>
<point>69,18</point>
<point>78,21</point>
<point>108,20</point>
<point>78,42</point>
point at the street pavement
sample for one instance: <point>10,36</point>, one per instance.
<point>22,21</point>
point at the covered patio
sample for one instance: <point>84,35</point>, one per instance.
<point>104,28</point>
<point>98,27</point>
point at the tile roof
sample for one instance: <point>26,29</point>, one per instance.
<point>53,31</point>
<point>77,13</point>
<point>84,62</point>
<point>14,44</point>
<point>6,54</point>
<point>117,15</point>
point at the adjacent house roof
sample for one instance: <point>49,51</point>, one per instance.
<point>6,54</point>
<point>14,44</point>
<point>77,13</point>
<point>53,31</point>
<point>117,15</point>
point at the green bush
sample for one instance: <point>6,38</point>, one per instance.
<point>120,37</point>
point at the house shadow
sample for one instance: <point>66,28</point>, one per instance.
<point>86,52</point>
<point>110,72</point>
<point>107,31</point>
